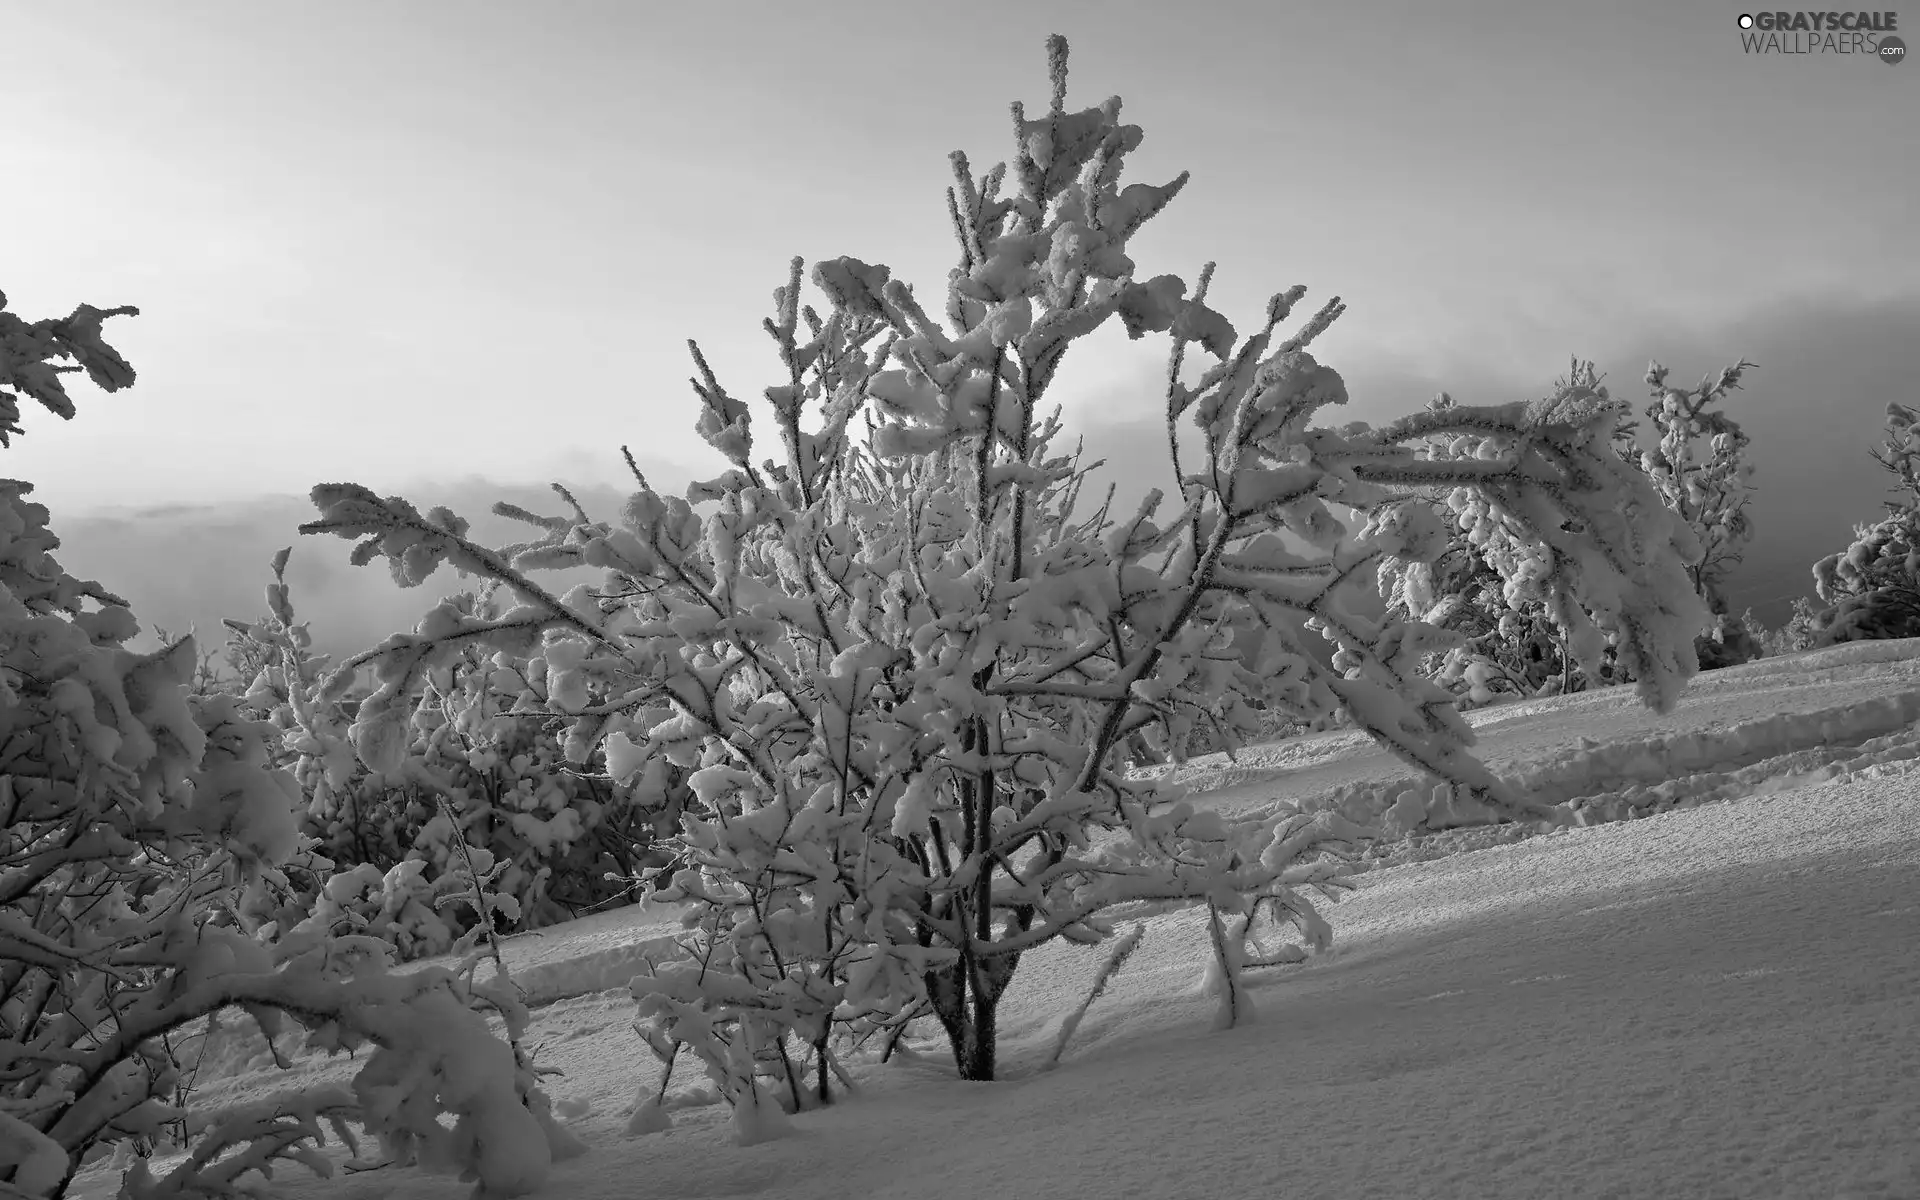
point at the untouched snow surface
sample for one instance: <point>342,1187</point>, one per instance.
<point>1717,1001</point>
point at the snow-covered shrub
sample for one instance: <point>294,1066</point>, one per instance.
<point>1801,632</point>
<point>1507,651</point>
<point>1798,633</point>
<point>1872,588</point>
<point>137,818</point>
<point>555,842</point>
<point>900,668</point>
<point>1483,585</point>
<point>1699,464</point>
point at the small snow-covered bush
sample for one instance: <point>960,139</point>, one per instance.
<point>1801,631</point>
<point>1507,651</point>
<point>1485,586</point>
<point>135,821</point>
<point>900,655</point>
<point>553,841</point>
<point>1872,588</point>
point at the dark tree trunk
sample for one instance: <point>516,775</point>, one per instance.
<point>966,999</point>
<point>976,1054</point>
<point>947,989</point>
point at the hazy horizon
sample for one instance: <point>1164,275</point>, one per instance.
<point>454,253</point>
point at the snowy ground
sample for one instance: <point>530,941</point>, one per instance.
<point>1716,1001</point>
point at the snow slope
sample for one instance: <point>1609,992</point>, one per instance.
<point>1717,1001</point>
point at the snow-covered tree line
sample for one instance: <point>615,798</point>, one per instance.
<point>893,649</point>
<point>1870,590</point>
<point>140,824</point>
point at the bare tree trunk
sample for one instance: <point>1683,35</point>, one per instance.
<point>985,1031</point>
<point>966,1000</point>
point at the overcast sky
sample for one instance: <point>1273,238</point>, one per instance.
<point>438,247</point>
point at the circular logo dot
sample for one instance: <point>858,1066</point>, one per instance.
<point>1892,49</point>
<point>1746,20</point>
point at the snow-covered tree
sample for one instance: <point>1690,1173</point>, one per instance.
<point>136,819</point>
<point>1800,632</point>
<point>1872,588</point>
<point>1699,463</point>
<point>900,667</point>
<point>1483,586</point>
<point>1899,454</point>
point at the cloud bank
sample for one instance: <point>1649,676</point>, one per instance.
<point>1828,367</point>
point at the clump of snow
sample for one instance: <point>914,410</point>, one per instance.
<point>36,1162</point>
<point>649,1116</point>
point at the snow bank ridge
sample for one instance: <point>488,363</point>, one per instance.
<point>1639,777</point>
